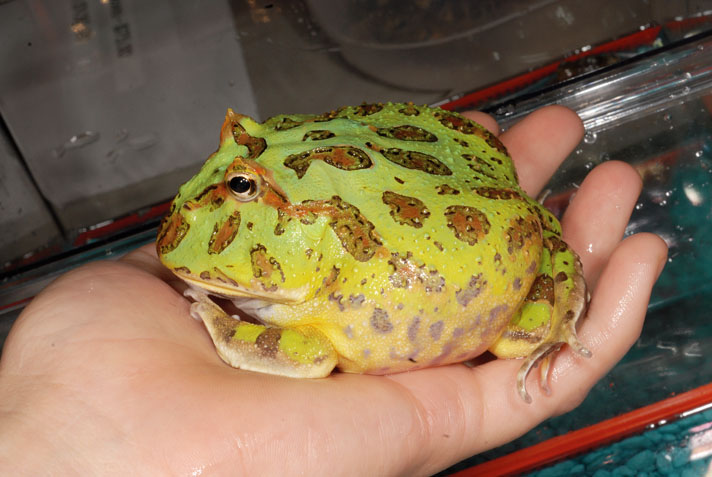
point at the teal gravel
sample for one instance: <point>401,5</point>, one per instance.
<point>663,451</point>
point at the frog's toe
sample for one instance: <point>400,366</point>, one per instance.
<point>547,319</point>
<point>541,357</point>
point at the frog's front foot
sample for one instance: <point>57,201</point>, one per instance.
<point>548,317</point>
<point>302,352</point>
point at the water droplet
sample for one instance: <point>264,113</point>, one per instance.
<point>589,165</point>
<point>590,137</point>
<point>495,55</point>
<point>686,90</point>
<point>688,75</point>
<point>75,142</point>
<point>605,157</point>
<point>667,117</point>
<point>639,206</point>
<point>578,152</point>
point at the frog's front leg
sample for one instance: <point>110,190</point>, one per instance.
<point>547,319</point>
<point>302,352</point>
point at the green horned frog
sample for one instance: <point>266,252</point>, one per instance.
<point>377,239</point>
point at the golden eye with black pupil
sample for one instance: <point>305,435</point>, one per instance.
<point>243,186</point>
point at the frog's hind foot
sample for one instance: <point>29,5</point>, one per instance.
<point>569,305</point>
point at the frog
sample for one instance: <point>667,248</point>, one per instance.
<point>374,239</point>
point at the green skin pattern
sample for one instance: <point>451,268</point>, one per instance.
<point>376,238</point>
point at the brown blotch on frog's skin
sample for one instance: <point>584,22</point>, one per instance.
<point>561,277</point>
<point>406,210</point>
<point>287,123</point>
<point>356,233</point>
<point>173,231</point>
<point>268,342</point>
<point>444,189</point>
<point>407,133</point>
<point>185,270</point>
<point>517,284</point>
<point>398,180</point>
<point>224,233</point>
<point>497,193</point>
<point>266,268</point>
<point>205,275</point>
<point>461,142</point>
<point>345,158</point>
<point>405,273</point>
<point>491,140</point>
<point>318,135</point>
<point>380,321</point>
<point>255,145</point>
<point>542,289</point>
<point>368,109</point>
<point>520,233</point>
<point>456,122</point>
<point>409,110</point>
<point>468,223</point>
<point>212,197</point>
<point>413,160</point>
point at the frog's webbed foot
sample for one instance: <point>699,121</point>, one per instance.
<point>547,319</point>
<point>302,352</point>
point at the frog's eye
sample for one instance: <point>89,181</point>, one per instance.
<point>244,186</point>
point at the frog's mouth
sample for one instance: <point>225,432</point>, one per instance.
<point>227,288</point>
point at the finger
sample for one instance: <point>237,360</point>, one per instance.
<point>540,142</point>
<point>146,259</point>
<point>596,219</point>
<point>614,319</point>
<point>484,119</point>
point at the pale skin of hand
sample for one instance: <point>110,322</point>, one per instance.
<point>106,372</point>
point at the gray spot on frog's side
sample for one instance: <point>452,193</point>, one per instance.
<point>337,298</point>
<point>366,353</point>
<point>473,290</point>
<point>517,284</point>
<point>380,321</point>
<point>436,330</point>
<point>357,300</point>
<point>457,332</point>
<point>413,328</point>
<point>496,311</point>
<point>349,331</point>
<point>532,267</point>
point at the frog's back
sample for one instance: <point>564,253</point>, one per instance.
<point>452,234</point>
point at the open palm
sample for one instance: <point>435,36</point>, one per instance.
<point>106,372</point>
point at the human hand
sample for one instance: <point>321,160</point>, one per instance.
<point>106,372</point>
